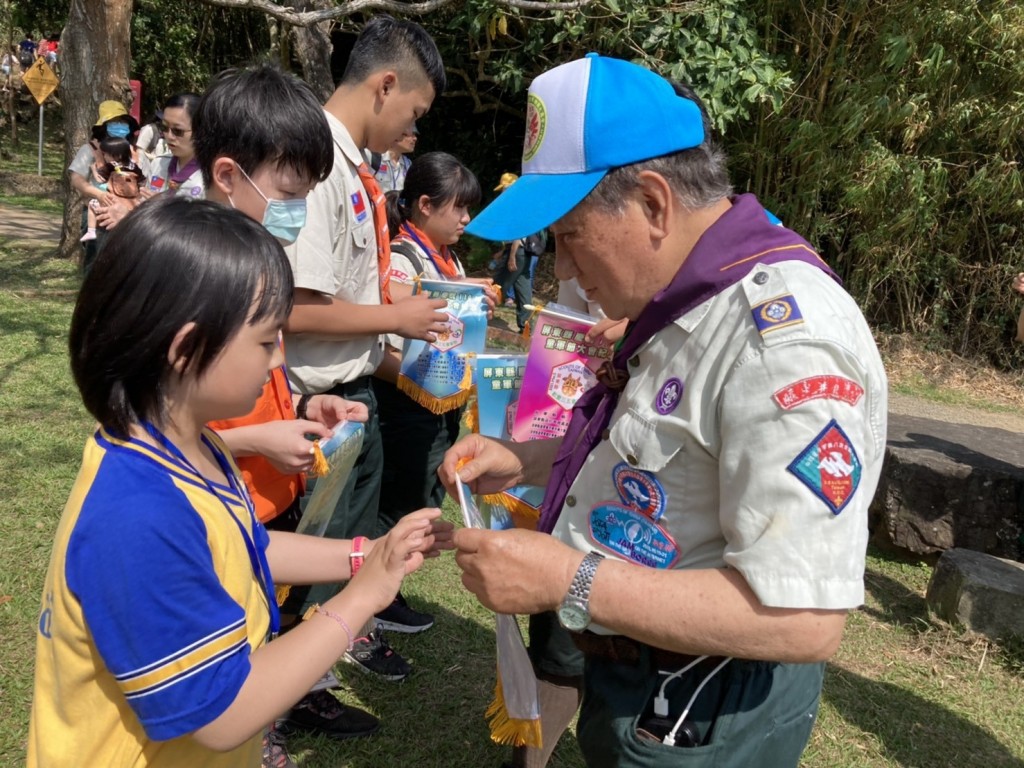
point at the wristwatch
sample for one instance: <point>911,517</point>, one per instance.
<point>574,612</point>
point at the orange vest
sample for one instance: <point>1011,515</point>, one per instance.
<point>272,492</point>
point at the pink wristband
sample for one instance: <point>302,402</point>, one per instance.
<point>356,555</point>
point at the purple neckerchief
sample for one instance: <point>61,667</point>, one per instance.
<point>740,239</point>
<point>179,176</point>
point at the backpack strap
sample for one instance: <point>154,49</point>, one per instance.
<point>408,250</point>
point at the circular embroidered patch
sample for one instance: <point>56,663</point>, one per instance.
<point>669,395</point>
<point>777,311</point>
<point>536,123</point>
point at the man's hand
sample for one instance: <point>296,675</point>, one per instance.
<point>331,410</point>
<point>607,328</point>
<point>418,317</point>
<point>490,466</point>
<point>515,571</point>
<point>108,216</point>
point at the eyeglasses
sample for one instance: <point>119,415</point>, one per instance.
<point>174,131</point>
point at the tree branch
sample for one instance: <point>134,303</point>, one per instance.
<point>349,7</point>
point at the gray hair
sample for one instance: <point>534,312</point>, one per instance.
<point>698,176</point>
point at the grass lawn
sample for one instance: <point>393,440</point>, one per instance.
<point>904,690</point>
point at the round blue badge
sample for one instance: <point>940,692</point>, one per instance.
<point>639,490</point>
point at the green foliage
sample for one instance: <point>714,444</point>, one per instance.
<point>897,154</point>
<point>492,54</point>
<point>177,46</point>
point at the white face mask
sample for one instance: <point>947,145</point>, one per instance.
<point>284,219</point>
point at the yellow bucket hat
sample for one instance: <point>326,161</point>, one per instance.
<point>111,109</point>
<point>507,180</point>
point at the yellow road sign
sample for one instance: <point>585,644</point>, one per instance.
<point>40,80</point>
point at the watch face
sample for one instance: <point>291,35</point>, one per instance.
<point>573,616</point>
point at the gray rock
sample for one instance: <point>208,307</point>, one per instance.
<point>950,485</point>
<point>981,592</point>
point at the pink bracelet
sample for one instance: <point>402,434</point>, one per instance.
<point>317,608</point>
<point>356,555</point>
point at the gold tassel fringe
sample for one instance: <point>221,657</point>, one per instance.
<point>523,515</point>
<point>471,418</point>
<point>433,404</point>
<point>506,730</point>
<point>320,464</point>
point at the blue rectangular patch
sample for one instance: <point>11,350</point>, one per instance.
<point>780,312</point>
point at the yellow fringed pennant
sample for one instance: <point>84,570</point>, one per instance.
<point>433,404</point>
<point>523,515</point>
<point>471,418</point>
<point>508,730</point>
<point>320,464</point>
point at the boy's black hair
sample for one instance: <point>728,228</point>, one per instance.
<point>170,262</point>
<point>386,43</point>
<point>261,115</point>
<point>118,148</point>
<point>439,176</point>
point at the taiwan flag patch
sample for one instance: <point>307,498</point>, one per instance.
<point>359,206</point>
<point>829,467</point>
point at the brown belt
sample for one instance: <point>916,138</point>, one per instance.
<point>620,649</point>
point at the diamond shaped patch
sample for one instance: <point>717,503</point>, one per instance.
<point>829,467</point>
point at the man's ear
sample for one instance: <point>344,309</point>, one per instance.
<point>177,355</point>
<point>657,201</point>
<point>225,174</point>
<point>387,83</point>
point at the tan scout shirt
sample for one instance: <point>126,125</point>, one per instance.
<point>336,254</point>
<point>755,450</point>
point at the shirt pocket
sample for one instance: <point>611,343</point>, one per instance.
<point>644,444</point>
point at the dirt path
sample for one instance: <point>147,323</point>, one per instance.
<point>25,225</point>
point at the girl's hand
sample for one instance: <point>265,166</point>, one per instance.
<point>397,553</point>
<point>284,443</point>
<point>490,292</point>
<point>331,410</point>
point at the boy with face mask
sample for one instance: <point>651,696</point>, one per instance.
<point>262,143</point>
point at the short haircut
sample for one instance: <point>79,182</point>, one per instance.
<point>404,46</point>
<point>261,115</point>
<point>698,176</point>
<point>186,101</point>
<point>170,262</point>
<point>439,176</point>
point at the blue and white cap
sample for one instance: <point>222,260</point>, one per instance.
<point>583,119</point>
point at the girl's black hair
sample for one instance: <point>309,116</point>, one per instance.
<point>170,262</point>
<point>439,176</point>
<point>118,148</point>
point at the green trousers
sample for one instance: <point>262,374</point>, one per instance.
<point>751,714</point>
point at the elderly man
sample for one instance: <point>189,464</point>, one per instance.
<point>708,505</point>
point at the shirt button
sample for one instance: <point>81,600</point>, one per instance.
<point>761,278</point>
<point>605,434</point>
<point>570,501</point>
<point>632,459</point>
<point>634,361</point>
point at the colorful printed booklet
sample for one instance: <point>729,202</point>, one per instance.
<point>560,367</point>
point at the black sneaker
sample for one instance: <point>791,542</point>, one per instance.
<point>399,617</point>
<point>275,754</point>
<point>321,712</point>
<point>373,655</point>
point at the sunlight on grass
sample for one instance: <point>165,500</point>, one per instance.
<point>903,690</point>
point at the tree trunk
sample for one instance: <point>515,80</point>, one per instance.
<point>313,48</point>
<point>95,51</point>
